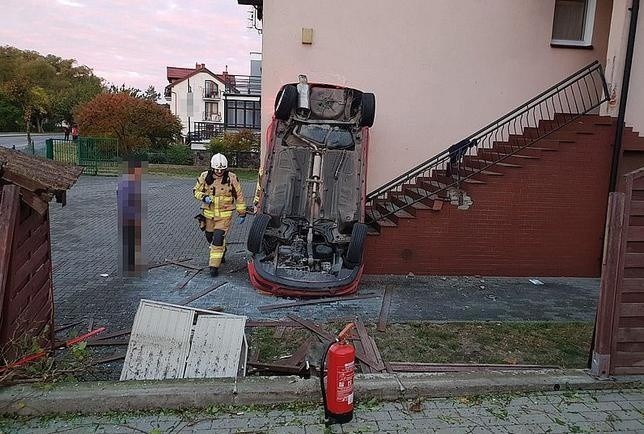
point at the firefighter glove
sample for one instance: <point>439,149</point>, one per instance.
<point>207,199</point>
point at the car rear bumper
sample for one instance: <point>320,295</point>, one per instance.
<point>263,281</point>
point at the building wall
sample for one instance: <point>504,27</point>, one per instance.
<point>545,218</point>
<point>179,103</point>
<point>440,69</point>
<point>635,106</point>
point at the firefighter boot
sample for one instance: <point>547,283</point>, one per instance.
<point>214,271</point>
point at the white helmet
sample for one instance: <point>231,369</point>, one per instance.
<point>219,162</point>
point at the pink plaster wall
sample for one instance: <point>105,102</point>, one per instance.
<point>440,69</point>
<point>635,106</point>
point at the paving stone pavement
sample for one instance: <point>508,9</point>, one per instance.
<point>85,241</point>
<point>554,412</point>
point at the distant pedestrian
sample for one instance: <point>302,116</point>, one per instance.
<point>75,132</point>
<point>66,131</point>
<point>131,212</point>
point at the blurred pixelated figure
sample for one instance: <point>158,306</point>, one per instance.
<point>220,194</point>
<point>131,207</point>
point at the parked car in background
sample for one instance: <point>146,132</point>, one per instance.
<point>308,235</point>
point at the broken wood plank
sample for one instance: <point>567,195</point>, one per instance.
<point>378,356</point>
<point>273,323</point>
<point>201,294</point>
<point>9,210</point>
<point>107,343</point>
<point>277,367</point>
<point>299,356</point>
<point>110,335</point>
<point>368,347</point>
<point>324,334</point>
<point>384,310</point>
<point>461,367</point>
<point>279,332</point>
<point>108,359</point>
<point>185,281</point>
<point>317,301</point>
<point>329,337</point>
<point>67,326</point>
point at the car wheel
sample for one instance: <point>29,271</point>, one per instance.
<point>286,101</point>
<point>354,252</point>
<point>256,234</point>
<point>368,110</point>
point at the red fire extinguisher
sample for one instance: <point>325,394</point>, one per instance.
<point>337,393</point>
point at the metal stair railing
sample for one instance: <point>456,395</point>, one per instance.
<point>551,110</point>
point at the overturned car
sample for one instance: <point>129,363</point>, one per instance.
<point>308,234</point>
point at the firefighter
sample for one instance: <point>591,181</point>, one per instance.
<point>220,194</point>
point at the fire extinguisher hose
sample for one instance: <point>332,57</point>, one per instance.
<point>322,387</point>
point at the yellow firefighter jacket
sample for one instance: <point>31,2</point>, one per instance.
<point>225,197</point>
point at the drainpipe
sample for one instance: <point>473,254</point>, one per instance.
<point>628,63</point>
<point>619,131</point>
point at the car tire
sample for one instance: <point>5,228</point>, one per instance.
<point>256,233</point>
<point>368,110</point>
<point>285,102</point>
<point>354,251</point>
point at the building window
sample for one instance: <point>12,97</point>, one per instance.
<point>211,112</point>
<point>243,114</point>
<point>573,22</point>
<point>210,89</point>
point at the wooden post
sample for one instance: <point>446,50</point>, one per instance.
<point>9,208</point>
<point>609,287</point>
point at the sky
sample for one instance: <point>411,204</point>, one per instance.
<point>132,41</point>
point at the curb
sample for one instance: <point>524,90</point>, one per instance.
<point>103,397</point>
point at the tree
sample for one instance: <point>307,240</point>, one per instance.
<point>242,140</point>
<point>137,123</point>
<point>44,89</point>
<point>150,93</point>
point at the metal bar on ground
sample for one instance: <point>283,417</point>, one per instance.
<point>201,294</point>
<point>192,267</point>
<point>185,281</point>
<point>384,310</point>
<point>317,301</point>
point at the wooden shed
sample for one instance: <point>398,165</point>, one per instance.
<point>27,185</point>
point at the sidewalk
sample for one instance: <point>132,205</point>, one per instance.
<point>551,412</point>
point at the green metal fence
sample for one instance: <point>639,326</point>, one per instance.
<point>97,155</point>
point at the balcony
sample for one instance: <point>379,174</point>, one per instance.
<point>211,94</point>
<point>240,85</point>
<point>211,117</point>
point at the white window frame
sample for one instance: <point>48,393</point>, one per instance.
<point>589,25</point>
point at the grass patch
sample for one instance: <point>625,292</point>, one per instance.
<point>540,343</point>
<point>272,348</point>
<point>533,343</point>
<point>194,171</point>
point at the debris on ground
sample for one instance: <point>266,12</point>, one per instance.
<point>171,341</point>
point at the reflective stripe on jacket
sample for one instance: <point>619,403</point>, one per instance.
<point>223,203</point>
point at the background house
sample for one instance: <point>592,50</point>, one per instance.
<point>209,103</point>
<point>442,70</point>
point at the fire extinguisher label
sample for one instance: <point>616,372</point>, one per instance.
<point>345,383</point>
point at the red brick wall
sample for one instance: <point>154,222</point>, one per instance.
<point>543,219</point>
